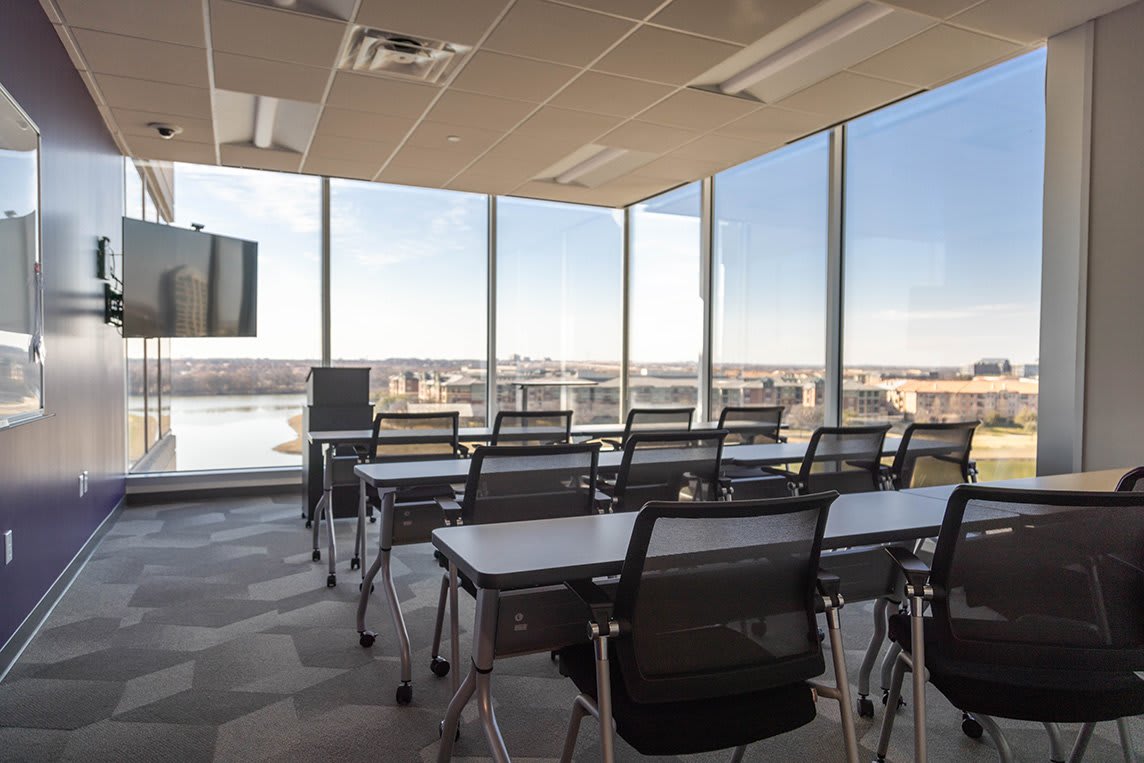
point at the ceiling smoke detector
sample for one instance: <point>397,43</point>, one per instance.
<point>376,51</point>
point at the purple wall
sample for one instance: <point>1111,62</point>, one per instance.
<point>81,199</point>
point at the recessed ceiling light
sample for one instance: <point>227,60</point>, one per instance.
<point>454,138</point>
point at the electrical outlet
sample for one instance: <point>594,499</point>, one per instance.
<point>7,547</point>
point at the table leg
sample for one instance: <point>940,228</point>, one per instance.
<point>359,538</point>
<point>328,499</point>
<point>388,516</point>
<point>478,680</point>
<point>316,554</point>
<point>454,626</point>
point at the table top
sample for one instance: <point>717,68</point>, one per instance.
<point>464,434</point>
<point>519,554</point>
<point>1104,479</point>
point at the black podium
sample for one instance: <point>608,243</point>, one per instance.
<point>336,398</point>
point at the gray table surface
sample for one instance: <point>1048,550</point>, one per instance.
<point>1104,479</point>
<point>519,554</point>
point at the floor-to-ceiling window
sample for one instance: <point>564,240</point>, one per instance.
<point>559,308</point>
<point>768,344</point>
<point>665,312</point>
<point>237,402</point>
<point>408,285</point>
<point>942,261</point>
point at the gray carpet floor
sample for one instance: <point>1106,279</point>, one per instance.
<point>203,631</point>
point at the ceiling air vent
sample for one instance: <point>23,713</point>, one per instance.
<point>375,51</point>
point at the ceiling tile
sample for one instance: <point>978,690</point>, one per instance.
<point>941,9</point>
<point>435,136</point>
<point>274,78</point>
<point>460,108</point>
<point>363,125</point>
<point>259,158</point>
<point>475,182</point>
<point>563,124</point>
<point>510,77</point>
<point>278,35</point>
<point>341,168</point>
<point>528,154</point>
<point>698,110</point>
<point>672,167</point>
<point>845,95</point>
<point>177,21</point>
<point>661,55</point>
<point>609,94</point>
<point>439,161</point>
<point>720,148</point>
<point>645,136</point>
<point>936,55</point>
<point>411,175</point>
<point>509,167</point>
<point>632,9</point>
<point>741,21</point>
<point>459,21</point>
<point>772,124</point>
<point>134,57</point>
<point>132,122</point>
<point>171,150</point>
<point>144,95</point>
<point>557,33</point>
<point>379,95</point>
<point>350,149</point>
<point>1030,21</point>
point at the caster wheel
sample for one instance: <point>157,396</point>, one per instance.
<point>331,581</point>
<point>404,694</point>
<point>439,666</point>
<point>971,728</point>
<point>309,524</point>
<point>865,708</point>
<point>355,563</point>
<point>316,556</point>
<point>373,520</point>
<point>359,585</point>
<point>366,638</point>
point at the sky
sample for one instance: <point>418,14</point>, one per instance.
<point>942,249</point>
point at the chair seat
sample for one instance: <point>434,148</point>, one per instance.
<point>682,728</point>
<point>1021,693</point>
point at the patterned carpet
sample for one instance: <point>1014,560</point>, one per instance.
<point>203,631</point>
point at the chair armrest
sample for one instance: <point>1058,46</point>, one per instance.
<point>829,588</point>
<point>781,438</point>
<point>603,502</point>
<point>778,471</point>
<point>915,570</point>
<point>451,509</point>
<point>613,444</point>
<point>597,600</point>
<point>462,450</point>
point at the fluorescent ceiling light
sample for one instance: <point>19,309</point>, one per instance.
<point>843,26</point>
<point>265,110</point>
<point>594,162</point>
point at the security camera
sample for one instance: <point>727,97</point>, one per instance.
<point>166,131</point>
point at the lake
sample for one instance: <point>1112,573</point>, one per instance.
<point>234,431</point>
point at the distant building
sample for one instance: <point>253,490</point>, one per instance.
<point>1029,370</point>
<point>187,288</point>
<point>961,400</point>
<point>990,367</point>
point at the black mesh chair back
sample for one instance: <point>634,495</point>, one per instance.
<point>1044,579</point>
<point>658,466</point>
<point>657,420</point>
<point>414,436</point>
<point>845,459</point>
<point>1133,481</point>
<point>532,428</point>
<point>719,598</point>
<point>751,425</point>
<point>933,454</point>
<point>510,484</point>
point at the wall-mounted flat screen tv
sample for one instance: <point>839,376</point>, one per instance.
<point>186,283</point>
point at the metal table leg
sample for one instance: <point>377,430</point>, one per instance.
<point>865,705</point>
<point>328,500</point>
<point>479,681</point>
<point>454,626</point>
<point>359,537</point>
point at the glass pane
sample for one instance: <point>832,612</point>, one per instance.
<point>408,286</point>
<point>237,402</point>
<point>151,350</point>
<point>665,317</point>
<point>943,261</point>
<point>132,191</point>
<point>136,402</point>
<point>164,386</point>
<point>769,323</point>
<point>559,308</point>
